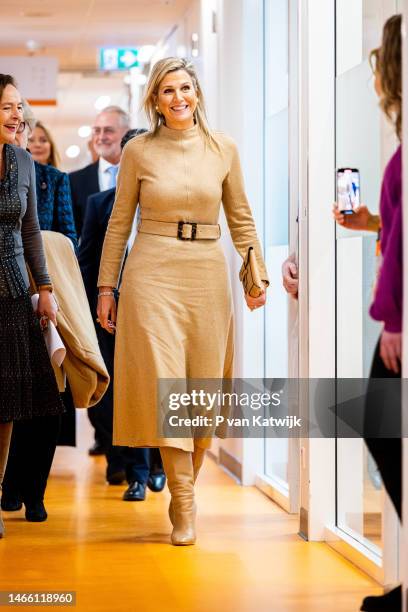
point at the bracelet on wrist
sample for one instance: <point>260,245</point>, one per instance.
<point>107,293</point>
<point>49,288</point>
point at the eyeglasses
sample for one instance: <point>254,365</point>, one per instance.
<point>21,128</point>
<point>96,131</point>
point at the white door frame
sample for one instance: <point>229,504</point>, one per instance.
<point>317,251</point>
<point>287,494</point>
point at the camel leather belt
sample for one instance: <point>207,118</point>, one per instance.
<point>183,230</point>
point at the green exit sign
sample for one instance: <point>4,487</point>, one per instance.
<point>116,58</point>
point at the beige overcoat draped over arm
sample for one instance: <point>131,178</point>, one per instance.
<point>84,366</point>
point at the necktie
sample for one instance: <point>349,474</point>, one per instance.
<point>113,171</point>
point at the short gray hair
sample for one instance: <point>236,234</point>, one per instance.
<point>124,116</point>
<point>28,115</point>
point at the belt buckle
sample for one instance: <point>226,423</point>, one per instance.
<point>180,226</point>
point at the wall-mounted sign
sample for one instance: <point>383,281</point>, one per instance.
<point>116,58</point>
<point>36,77</point>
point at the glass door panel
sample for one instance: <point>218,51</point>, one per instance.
<point>363,142</point>
<point>276,121</point>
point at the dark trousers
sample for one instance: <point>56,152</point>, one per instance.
<point>32,450</point>
<point>67,434</point>
<point>101,415</point>
<point>136,462</point>
<point>387,452</point>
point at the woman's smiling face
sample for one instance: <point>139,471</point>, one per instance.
<point>177,100</point>
<point>11,114</point>
<point>39,145</point>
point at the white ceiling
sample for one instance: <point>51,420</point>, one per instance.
<point>75,107</point>
<point>73,31</point>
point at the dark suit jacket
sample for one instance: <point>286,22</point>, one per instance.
<point>54,202</point>
<point>84,183</point>
<point>98,211</point>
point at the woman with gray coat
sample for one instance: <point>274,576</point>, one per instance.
<point>28,387</point>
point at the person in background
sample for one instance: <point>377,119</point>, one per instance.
<point>290,276</point>
<point>33,442</point>
<point>42,146</point>
<point>109,127</point>
<point>28,389</point>
<point>387,305</point>
<point>140,466</point>
<point>54,201</point>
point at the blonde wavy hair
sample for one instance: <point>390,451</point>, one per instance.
<point>386,62</point>
<point>54,158</point>
<point>161,69</point>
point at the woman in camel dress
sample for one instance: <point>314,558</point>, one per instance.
<point>175,317</point>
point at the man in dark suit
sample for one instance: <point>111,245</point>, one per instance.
<point>140,466</point>
<point>108,130</point>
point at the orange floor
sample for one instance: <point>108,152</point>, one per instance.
<point>117,557</point>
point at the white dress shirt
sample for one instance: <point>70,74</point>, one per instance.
<point>104,178</point>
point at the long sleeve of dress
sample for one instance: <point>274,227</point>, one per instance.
<point>387,305</point>
<point>31,236</point>
<point>120,222</point>
<point>388,302</point>
<point>238,213</point>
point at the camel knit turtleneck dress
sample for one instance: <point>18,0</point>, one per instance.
<point>175,317</point>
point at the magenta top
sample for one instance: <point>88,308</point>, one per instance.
<point>387,304</point>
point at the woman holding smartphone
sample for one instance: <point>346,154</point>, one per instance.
<point>387,305</point>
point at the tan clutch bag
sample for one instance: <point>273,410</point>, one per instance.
<point>249,275</point>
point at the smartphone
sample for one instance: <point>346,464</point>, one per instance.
<point>348,190</point>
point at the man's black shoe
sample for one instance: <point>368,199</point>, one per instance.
<point>116,477</point>
<point>11,504</point>
<point>156,482</point>
<point>36,512</point>
<point>390,602</point>
<point>136,491</point>
<point>96,449</point>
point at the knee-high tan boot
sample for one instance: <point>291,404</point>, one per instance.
<point>178,465</point>
<point>5,437</point>
<point>197,458</point>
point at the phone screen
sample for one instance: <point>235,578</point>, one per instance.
<point>348,190</point>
